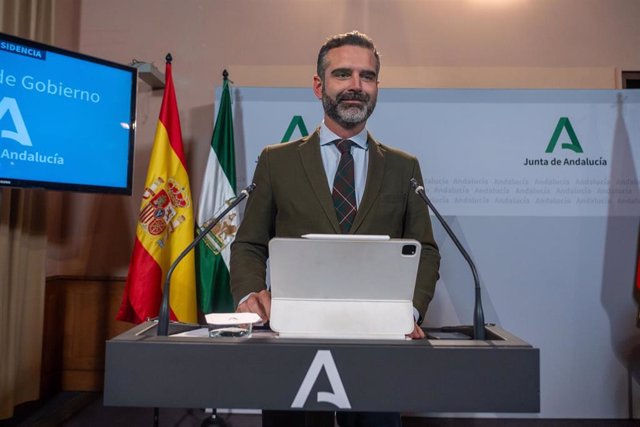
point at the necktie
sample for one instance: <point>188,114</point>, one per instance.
<point>344,188</point>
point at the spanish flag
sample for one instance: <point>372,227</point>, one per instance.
<point>165,226</point>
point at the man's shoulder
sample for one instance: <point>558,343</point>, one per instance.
<point>389,151</point>
<point>285,147</point>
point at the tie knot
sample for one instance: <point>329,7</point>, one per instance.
<point>344,145</point>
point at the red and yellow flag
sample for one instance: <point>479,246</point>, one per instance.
<point>165,226</point>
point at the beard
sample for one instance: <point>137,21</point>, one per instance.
<point>348,116</point>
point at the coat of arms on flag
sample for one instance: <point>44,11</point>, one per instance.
<point>222,233</point>
<point>160,206</point>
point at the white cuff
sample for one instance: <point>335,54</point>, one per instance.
<point>246,297</point>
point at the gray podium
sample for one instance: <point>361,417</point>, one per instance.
<point>501,374</point>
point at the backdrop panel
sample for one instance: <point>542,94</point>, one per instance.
<point>542,189</point>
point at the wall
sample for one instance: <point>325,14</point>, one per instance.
<point>79,315</point>
<point>424,43</point>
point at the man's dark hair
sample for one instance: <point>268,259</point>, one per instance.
<point>354,38</point>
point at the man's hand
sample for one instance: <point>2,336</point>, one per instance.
<point>259,303</point>
<point>417,333</point>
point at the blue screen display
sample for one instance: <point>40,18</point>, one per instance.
<point>67,120</point>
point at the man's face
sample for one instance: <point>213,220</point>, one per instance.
<point>350,88</point>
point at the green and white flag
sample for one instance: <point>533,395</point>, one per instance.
<point>218,187</point>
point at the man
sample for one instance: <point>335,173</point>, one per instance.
<point>337,180</point>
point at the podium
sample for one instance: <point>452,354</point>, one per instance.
<point>500,374</point>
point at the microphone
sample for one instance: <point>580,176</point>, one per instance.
<point>163,318</point>
<point>478,313</point>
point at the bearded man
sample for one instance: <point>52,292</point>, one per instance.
<point>337,180</point>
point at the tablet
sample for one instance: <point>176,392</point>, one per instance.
<point>356,287</point>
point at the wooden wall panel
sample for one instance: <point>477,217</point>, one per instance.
<point>79,317</point>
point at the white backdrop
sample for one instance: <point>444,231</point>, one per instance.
<point>554,235</point>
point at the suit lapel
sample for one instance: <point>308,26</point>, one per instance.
<point>375,175</point>
<point>309,151</point>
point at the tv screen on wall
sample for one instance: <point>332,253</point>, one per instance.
<point>67,120</point>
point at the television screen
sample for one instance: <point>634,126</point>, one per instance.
<point>67,120</point>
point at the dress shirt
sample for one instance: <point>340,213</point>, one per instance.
<point>331,157</point>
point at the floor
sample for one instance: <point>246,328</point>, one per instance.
<point>80,409</point>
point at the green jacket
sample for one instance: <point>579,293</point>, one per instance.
<point>292,198</point>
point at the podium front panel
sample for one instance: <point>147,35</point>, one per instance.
<point>272,373</point>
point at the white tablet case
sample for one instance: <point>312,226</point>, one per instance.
<point>346,287</point>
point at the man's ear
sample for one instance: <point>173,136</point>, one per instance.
<point>317,86</point>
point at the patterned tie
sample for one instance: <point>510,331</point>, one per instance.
<point>344,188</point>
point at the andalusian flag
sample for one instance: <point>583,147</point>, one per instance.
<point>165,226</point>
<point>218,187</point>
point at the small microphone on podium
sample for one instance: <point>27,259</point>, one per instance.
<point>478,313</point>
<point>163,318</point>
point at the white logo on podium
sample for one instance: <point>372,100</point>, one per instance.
<point>21,135</point>
<point>338,398</point>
